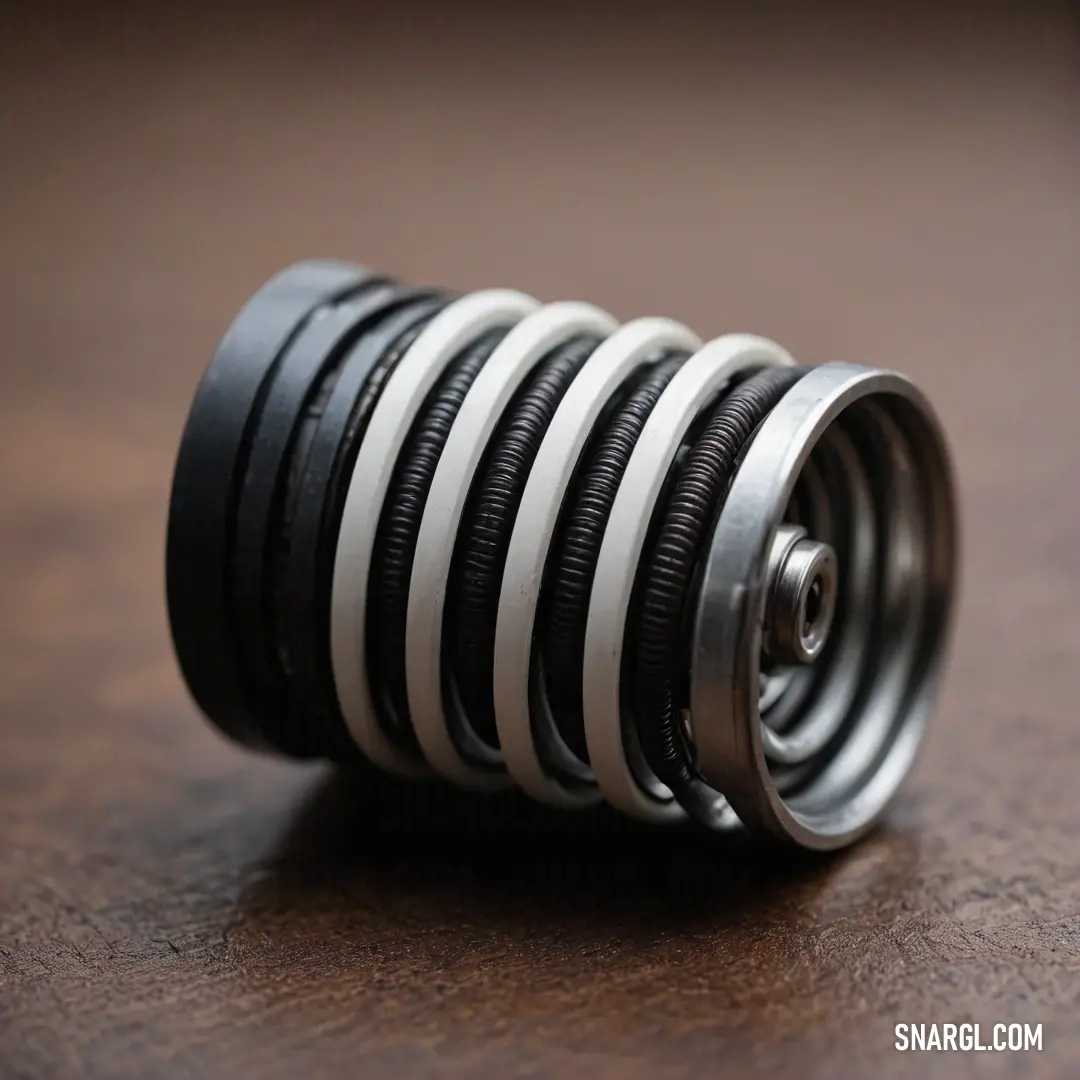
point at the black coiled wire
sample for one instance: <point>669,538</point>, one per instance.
<point>568,579</point>
<point>667,572</point>
<point>484,538</point>
<point>694,491</point>
<point>395,542</point>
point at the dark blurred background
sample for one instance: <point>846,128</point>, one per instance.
<point>855,179</point>
<point>892,183</point>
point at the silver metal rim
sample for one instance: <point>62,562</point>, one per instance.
<point>838,799</point>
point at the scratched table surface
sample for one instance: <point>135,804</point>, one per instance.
<point>905,194</point>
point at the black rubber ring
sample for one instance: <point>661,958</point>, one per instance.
<point>327,446</point>
<point>318,347</point>
<point>483,541</point>
<point>666,574</point>
<point>563,609</point>
<point>399,527</point>
<point>209,467</point>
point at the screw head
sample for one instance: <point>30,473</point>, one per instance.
<point>802,593</point>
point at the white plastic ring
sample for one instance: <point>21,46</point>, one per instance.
<point>454,328</point>
<point>617,760</point>
<point>516,355</point>
<point>601,375</point>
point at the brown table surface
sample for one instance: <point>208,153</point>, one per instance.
<point>904,194</point>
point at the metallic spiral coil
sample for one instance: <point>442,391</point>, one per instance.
<point>499,542</point>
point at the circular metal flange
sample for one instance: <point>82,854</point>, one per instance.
<point>912,485</point>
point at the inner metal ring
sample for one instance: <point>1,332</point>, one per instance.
<point>818,710</point>
<point>911,483</point>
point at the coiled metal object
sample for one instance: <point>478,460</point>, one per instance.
<point>499,542</point>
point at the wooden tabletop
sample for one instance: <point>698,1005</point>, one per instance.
<point>904,194</point>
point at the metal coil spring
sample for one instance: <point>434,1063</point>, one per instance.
<point>500,542</point>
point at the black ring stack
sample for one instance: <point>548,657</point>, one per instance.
<point>209,473</point>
